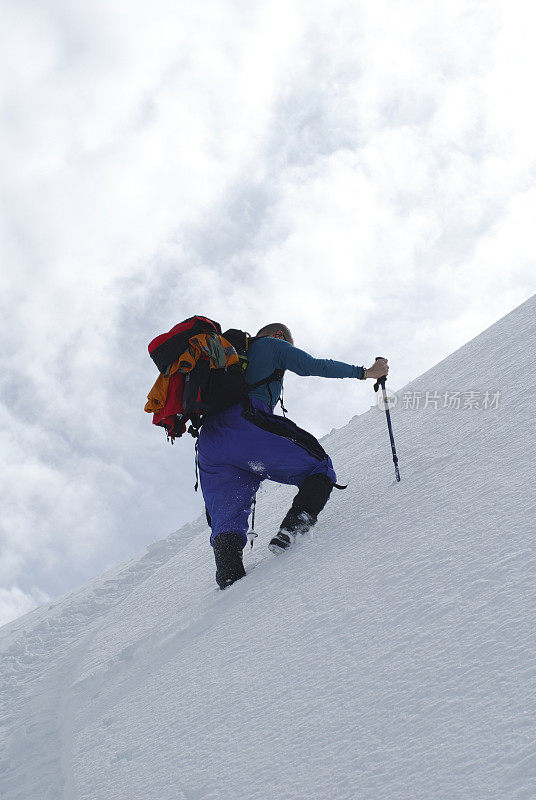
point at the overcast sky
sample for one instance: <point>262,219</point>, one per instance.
<point>364,172</point>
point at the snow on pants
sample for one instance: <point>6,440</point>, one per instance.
<point>235,455</point>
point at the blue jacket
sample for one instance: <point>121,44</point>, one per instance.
<point>268,354</point>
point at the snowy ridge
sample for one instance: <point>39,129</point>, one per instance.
<point>390,655</point>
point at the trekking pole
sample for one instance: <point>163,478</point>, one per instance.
<point>252,535</point>
<point>381,382</point>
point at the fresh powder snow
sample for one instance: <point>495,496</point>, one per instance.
<point>390,655</point>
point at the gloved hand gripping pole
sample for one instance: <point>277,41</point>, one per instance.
<point>381,382</point>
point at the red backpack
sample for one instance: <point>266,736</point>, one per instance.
<point>166,348</point>
<point>202,372</point>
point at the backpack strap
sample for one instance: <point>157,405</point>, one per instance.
<point>277,375</point>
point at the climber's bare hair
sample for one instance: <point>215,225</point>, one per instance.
<point>278,331</point>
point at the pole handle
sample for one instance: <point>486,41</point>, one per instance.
<point>380,381</point>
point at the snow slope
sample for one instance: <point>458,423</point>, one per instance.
<point>389,656</point>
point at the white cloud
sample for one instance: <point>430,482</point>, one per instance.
<point>14,602</point>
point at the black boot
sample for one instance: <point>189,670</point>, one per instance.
<point>302,515</point>
<point>228,554</point>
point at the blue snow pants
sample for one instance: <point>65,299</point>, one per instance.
<point>235,456</point>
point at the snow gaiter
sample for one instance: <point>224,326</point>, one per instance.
<point>307,505</point>
<point>228,555</point>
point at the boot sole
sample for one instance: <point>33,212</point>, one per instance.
<point>277,549</point>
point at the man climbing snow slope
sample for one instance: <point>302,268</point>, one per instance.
<point>246,444</point>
